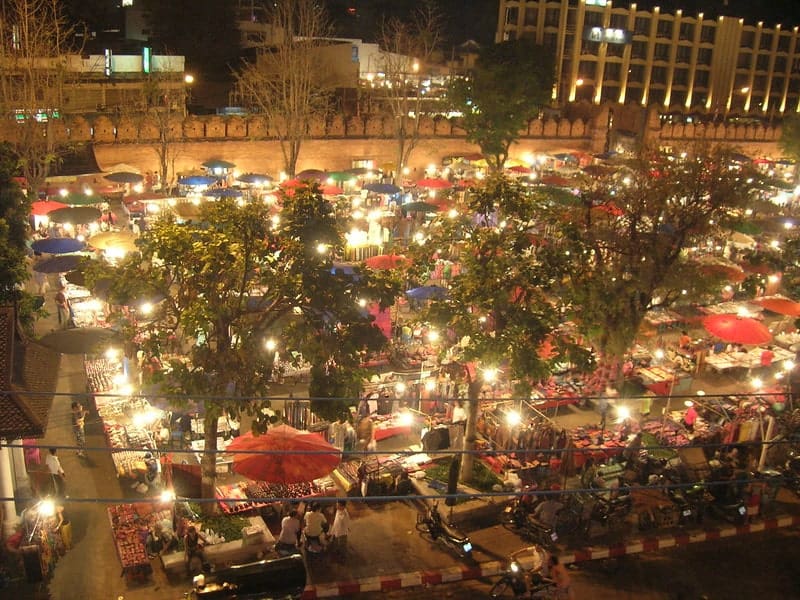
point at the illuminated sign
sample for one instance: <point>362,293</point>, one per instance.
<point>596,2</point>
<point>607,35</point>
<point>107,65</point>
<point>147,56</point>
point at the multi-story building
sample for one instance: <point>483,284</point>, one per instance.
<point>622,54</point>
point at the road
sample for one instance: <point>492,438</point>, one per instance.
<point>758,566</point>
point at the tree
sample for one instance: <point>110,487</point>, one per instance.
<point>505,90</point>
<point>790,136</point>
<point>407,46</point>
<point>234,281</point>
<point>497,312</point>
<point>158,109</point>
<point>627,244</point>
<point>33,54</point>
<point>287,82</point>
<point>14,208</point>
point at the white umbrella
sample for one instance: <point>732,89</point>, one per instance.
<point>742,240</point>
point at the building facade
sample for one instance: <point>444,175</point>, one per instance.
<point>688,63</point>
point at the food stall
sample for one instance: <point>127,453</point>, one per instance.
<point>247,496</point>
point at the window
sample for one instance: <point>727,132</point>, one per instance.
<point>633,94</point>
<point>512,15</point>
<point>766,41</point>
<point>780,64</point>
<point>704,56</point>
<point>701,78</point>
<point>707,34</point>
<point>659,75</point>
<point>783,43</point>
<point>639,50</point>
<point>762,62</point>
<point>587,70</point>
<point>744,60</point>
<point>680,77</point>
<point>593,19</point>
<point>551,17</point>
<point>615,50</point>
<point>664,28</point>
<point>748,39</point>
<point>687,31</point>
<point>678,97</point>
<point>642,25</point>
<point>661,52</point>
<point>612,72</point>
<point>530,16</point>
<point>550,41</point>
<point>636,73</point>
<point>619,22</point>
<point>683,54</point>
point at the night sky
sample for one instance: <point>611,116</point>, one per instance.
<point>771,12</point>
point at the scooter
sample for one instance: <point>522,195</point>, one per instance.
<point>514,581</point>
<point>791,472</point>
<point>432,524</point>
<point>536,531</point>
<point>690,503</point>
<point>728,504</point>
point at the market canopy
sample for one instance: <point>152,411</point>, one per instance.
<point>197,180</point>
<point>43,207</point>
<point>62,263</point>
<point>312,175</point>
<point>77,215</point>
<point>434,183</point>
<point>125,177</point>
<point>283,455</point>
<point>387,261</point>
<point>224,193</point>
<point>779,304</point>
<point>57,245</point>
<point>255,179</point>
<point>736,329</point>
<point>215,164</point>
<point>382,188</point>
<point>80,199</point>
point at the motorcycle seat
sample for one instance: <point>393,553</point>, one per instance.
<point>454,533</point>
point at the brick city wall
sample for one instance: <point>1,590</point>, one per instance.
<point>335,143</point>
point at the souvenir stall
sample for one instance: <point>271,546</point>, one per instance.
<point>130,524</point>
<point>601,444</point>
<point>664,379</point>
<point>43,537</point>
<point>377,475</point>
<point>248,496</point>
<point>518,436</point>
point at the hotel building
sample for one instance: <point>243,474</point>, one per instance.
<point>688,63</point>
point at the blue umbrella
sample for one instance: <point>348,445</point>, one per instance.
<point>427,292</point>
<point>58,264</point>
<point>57,245</point>
<point>197,180</point>
<point>382,188</point>
<point>255,178</point>
<point>224,193</point>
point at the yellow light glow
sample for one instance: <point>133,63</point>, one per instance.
<point>433,336</point>
<point>513,418</point>
<point>489,375</point>
<point>167,496</point>
<point>146,308</point>
<point>623,413</point>
<point>406,419</point>
<point>400,387</point>
<point>270,344</point>
<point>47,508</point>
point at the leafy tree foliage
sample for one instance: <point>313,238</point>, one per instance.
<point>627,244</point>
<point>497,313</point>
<point>235,280</point>
<point>505,90</point>
<point>790,136</point>
<point>14,208</point>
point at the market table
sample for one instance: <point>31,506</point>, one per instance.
<point>130,527</point>
<point>662,380</point>
<point>723,361</point>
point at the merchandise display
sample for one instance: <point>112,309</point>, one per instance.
<point>246,496</point>
<point>129,526</point>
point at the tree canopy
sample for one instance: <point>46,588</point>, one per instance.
<point>235,280</point>
<point>14,208</point>
<point>506,89</point>
<point>790,136</point>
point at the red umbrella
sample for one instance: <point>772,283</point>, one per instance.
<point>434,184</point>
<point>519,170</point>
<point>287,455</point>
<point>331,190</point>
<point>386,261</point>
<point>731,272</point>
<point>42,207</point>
<point>780,305</point>
<point>736,329</point>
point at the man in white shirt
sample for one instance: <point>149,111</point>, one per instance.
<point>56,472</point>
<point>459,425</point>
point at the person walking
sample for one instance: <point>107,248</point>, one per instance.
<point>56,473</point>
<point>340,530</point>
<point>78,427</point>
<point>63,307</point>
<point>560,576</point>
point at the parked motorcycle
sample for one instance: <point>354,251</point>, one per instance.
<point>527,526</point>
<point>791,472</point>
<point>432,524</point>
<point>517,582</point>
<point>690,503</point>
<point>728,503</point>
